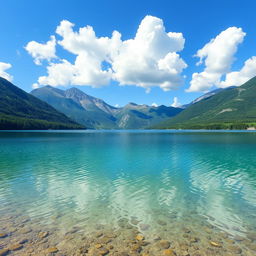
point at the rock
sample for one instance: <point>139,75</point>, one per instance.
<point>43,234</point>
<point>164,244</point>
<point>99,234</point>
<point>144,226</point>
<point>136,248</point>
<point>103,251</point>
<point>15,247</point>
<point>169,252</point>
<point>140,237</point>
<point>234,249</point>
<point>3,235</point>
<point>251,236</point>
<point>25,230</point>
<point>215,244</point>
<point>161,223</point>
<point>23,241</point>
<point>52,250</point>
<point>98,246</point>
<point>4,252</point>
<point>123,254</point>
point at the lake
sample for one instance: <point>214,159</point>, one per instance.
<point>128,193</point>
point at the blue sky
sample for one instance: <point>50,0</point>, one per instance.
<point>230,24</point>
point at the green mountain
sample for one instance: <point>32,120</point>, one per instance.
<point>232,108</point>
<point>97,114</point>
<point>22,111</point>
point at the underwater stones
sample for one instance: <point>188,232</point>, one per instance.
<point>123,254</point>
<point>214,244</point>
<point>98,234</point>
<point>164,244</point>
<point>169,252</point>
<point>23,241</point>
<point>3,235</point>
<point>140,237</point>
<point>51,250</point>
<point>25,230</point>
<point>251,236</point>
<point>234,249</point>
<point>15,247</point>
<point>103,251</point>
<point>161,223</point>
<point>4,252</point>
<point>134,221</point>
<point>42,235</point>
<point>144,227</point>
<point>136,248</point>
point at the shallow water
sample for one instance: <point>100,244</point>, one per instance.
<point>196,190</point>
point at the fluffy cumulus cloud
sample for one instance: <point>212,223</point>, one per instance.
<point>42,51</point>
<point>3,67</point>
<point>149,59</point>
<point>175,103</point>
<point>237,78</point>
<point>217,56</point>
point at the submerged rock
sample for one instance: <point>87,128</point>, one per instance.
<point>52,250</point>
<point>4,252</point>
<point>15,247</point>
<point>140,237</point>
<point>43,234</point>
<point>215,244</point>
<point>3,235</point>
<point>164,244</point>
<point>169,252</point>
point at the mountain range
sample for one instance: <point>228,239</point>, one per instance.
<point>52,108</point>
<point>230,108</point>
<point>22,111</point>
<point>96,114</point>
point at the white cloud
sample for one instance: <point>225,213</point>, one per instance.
<point>154,104</point>
<point>149,59</point>
<point>238,78</point>
<point>175,103</point>
<point>217,56</point>
<point>42,51</point>
<point>4,66</point>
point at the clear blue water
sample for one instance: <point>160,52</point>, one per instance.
<point>199,179</point>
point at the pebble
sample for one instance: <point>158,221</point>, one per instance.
<point>161,222</point>
<point>52,250</point>
<point>140,237</point>
<point>169,252</point>
<point>43,234</point>
<point>164,244</point>
<point>3,235</point>
<point>15,247</point>
<point>3,252</point>
<point>103,251</point>
<point>215,244</point>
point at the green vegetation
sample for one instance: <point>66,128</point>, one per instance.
<point>20,110</point>
<point>233,108</point>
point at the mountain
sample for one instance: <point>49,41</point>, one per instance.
<point>20,110</point>
<point>204,96</point>
<point>232,108</point>
<point>97,114</point>
<point>133,116</point>
<point>80,107</point>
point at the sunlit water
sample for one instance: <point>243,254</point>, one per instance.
<point>177,186</point>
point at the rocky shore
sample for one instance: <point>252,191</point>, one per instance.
<point>20,235</point>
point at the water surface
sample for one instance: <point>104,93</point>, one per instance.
<point>192,189</point>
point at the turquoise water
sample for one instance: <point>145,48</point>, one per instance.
<point>158,182</point>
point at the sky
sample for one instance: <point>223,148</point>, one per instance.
<point>147,52</point>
